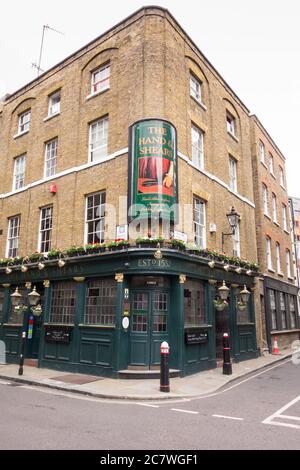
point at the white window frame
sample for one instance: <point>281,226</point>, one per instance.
<point>19,172</point>
<point>230,124</point>
<point>284,218</point>
<point>199,226</point>
<point>54,103</point>
<point>197,137</point>
<point>265,199</point>
<point>274,208</point>
<point>288,263</point>
<point>46,225</point>
<point>232,174</point>
<point>281,176</point>
<point>195,88</point>
<point>271,164</point>
<point>13,236</point>
<point>262,151</point>
<point>278,256</point>
<point>236,241</point>
<point>50,157</point>
<point>98,144</point>
<point>100,79</point>
<point>269,253</point>
<point>100,217</point>
<point>24,122</point>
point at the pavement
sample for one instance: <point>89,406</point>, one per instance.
<point>201,384</point>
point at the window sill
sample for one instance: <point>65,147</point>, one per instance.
<point>202,105</point>
<point>233,136</point>
<point>248,323</point>
<point>276,332</point>
<point>271,270</point>
<point>83,325</point>
<point>272,174</point>
<point>286,231</point>
<point>196,327</point>
<point>268,217</point>
<point>12,324</point>
<point>60,324</point>
<point>263,163</point>
<point>92,95</point>
<point>16,136</point>
<point>291,278</point>
<point>51,116</point>
<point>283,187</point>
<point>276,223</point>
<point>280,274</point>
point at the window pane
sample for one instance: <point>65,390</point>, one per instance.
<point>63,303</point>
<point>199,223</point>
<point>194,303</point>
<point>95,218</point>
<point>100,307</point>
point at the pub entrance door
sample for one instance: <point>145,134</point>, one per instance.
<point>149,325</point>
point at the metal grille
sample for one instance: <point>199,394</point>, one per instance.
<point>63,303</point>
<point>194,303</point>
<point>100,308</point>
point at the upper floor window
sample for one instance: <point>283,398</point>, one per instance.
<point>284,218</point>
<point>199,217</point>
<point>271,164</point>
<point>288,263</point>
<point>195,88</point>
<point>230,123</point>
<point>54,103</point>
<point>19,172</point>
<point>281,176</point>
<point>236,242</point>
<point>274,207</point>
<point>278,263</point>
<point>197,147</point>
<point>261,149</point>
<point>232,173</point>
<point>45,238</point>
<point>100,79</point>
<point>98,140</point>
<point>50,157</point>
<point>265,199</point>
<point>269,253</point>
<point>13,235</point>
<point>95,218</point>
<point>24,122</point>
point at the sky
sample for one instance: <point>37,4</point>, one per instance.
<point>254,45</point>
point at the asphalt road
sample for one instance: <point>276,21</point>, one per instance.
<point>261,411</point>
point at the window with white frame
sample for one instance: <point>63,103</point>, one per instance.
<point>230,123</point>
<point>197,147</point>
<point>13,235</point>
<point>195,88</point>
<point>236,241</point>
<point>95,218</point>
<point>265,199</point>
<point>269,253</point>
<point>50,157</point>
<point>98,140</point>
<point>232,174</point>
<point>271,164</point>
<point>199,216</point>
<point>100,79</point>
<point>19,172</point>
<point>281,176</point>
<point>274,207</point>
<point>54,103</point>
<point>288,263</point>
<point>284,218</point>
<point>261,150</point>
<point>45,238</point>
<point>24,122</point>
<point>278,263</point>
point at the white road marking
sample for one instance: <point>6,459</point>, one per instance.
<point>4,382</point>
<point>279,414</point>
<point>185,411</point>
<point>228,417</point>
<point>147,404</point>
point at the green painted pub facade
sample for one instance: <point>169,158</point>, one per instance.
<point>82,327</point>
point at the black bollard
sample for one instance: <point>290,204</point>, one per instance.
<point>164,367</point>
<point>227,368</point>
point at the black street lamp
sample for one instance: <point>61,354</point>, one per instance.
<point>31,302</point>
<point>233,219</point>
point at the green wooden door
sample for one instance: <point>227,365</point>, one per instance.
<point>149,326</point>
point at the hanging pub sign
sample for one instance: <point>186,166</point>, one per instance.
<point>153,182</point>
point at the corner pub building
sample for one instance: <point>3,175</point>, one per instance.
<point>138,116</point>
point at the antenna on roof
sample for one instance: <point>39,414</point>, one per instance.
<point>38,65</point>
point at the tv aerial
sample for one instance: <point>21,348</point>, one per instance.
<point>35,65</point>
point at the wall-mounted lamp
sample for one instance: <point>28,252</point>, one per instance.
<point>233,219</point>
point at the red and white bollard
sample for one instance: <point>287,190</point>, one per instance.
<point>164,367</point>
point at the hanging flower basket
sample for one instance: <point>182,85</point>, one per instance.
<point>37,311</point>
<point>241,306</point>
<point>220,304</point>
<point>19,309</point>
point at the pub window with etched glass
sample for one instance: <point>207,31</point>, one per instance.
<point>292,308</point>
<point>194,303</point>
<point>13,236</point>
<point>100,305</point>
<point>282,306</point>
<point>63,303</point>
<point>272,300</point>
<point>95,218</point>
<point>45,229</point>
<point>1,304</point>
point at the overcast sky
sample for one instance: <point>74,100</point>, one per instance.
<point>254,45</point>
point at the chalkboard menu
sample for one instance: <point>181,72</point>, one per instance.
<point>58,334</point>
<point>196,337</point>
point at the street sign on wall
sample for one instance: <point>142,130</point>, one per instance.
<point>153,183</point>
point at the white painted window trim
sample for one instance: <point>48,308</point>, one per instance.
<point>202,227</point>
<point>47,118</point>
<point>8,238</point>
<point>40,228</point>
<point>50,159</point>
<point>103,120</point>
<point>20,134</point>
<point>85,216</point>
<point>199,149</point>
<point>23,157</point>
<point>99,92</point>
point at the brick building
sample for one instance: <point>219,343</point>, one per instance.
<point>69,144</point>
